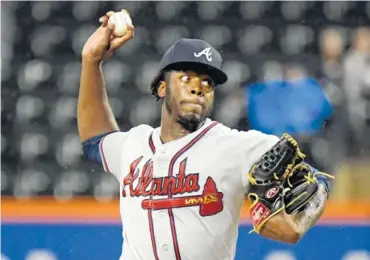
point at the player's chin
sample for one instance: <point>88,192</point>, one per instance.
<point>197,114</point>
<point>191,116</point>
<point>190,121</point>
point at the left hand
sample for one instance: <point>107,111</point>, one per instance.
<point>266,179</point>
<point>302,185</point>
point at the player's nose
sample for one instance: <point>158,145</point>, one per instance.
<point>196,88</point>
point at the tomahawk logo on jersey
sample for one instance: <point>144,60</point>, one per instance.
<point>180,192</point>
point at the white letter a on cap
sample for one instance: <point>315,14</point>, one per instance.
<point>207,52</point>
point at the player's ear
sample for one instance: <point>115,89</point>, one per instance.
<point>162,89</point>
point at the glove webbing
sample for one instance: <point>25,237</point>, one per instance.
<point>290,167</point>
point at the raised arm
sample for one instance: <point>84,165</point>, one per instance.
<point>94,114</point>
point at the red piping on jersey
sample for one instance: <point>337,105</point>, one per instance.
<point>150,217</point>
<point>151,144</point>
<point>105,164</point>
<point>170,174</point>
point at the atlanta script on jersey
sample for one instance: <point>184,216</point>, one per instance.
<point>182,199</point>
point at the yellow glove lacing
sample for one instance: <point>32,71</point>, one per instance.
<point>290,167</point>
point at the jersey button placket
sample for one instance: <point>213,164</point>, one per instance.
<point>162,170</point>
<point>162,214</point>
<point>161,149</point>
<point>165,247</point>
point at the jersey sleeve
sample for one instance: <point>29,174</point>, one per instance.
<point>254,145</point>
<point>107,149</point>
<point>110,150</point>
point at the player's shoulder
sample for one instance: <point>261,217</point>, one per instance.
<point>141,130</point>
<point>134,133</point>
<point>226,131</point>
<point>223,130</point>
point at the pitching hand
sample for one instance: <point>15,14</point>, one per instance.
<point>102,43</point>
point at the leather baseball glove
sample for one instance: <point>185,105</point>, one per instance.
<point>267,177</point>
<point>301,186</point>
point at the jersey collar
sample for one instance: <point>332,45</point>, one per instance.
<point>158,143</point>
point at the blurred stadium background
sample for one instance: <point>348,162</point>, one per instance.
<point>42,168</point>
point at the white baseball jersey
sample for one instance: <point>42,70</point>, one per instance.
<point>182,199</point>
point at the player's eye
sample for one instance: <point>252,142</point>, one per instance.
<point>185,78</point>
<point>208,83</point>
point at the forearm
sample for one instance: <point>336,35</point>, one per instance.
<point>281,228</point>
<point>312,211</point>
<point>94,114</point>
<point>290,228</point>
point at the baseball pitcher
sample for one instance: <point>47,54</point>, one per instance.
<point>183,184</point>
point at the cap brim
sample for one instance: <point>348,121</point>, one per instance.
<point>217,75</point>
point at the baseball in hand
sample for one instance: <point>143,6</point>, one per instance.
<point>121,20</point>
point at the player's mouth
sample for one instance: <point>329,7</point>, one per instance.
<point>195,105</point>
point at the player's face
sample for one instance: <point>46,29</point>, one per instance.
<point>189,97</point>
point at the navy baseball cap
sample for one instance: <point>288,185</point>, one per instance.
<point>192,54</point>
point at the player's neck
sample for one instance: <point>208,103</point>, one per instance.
<point>170,129</point>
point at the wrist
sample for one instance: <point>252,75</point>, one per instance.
<point>325,183</point>
<point>89,61</point>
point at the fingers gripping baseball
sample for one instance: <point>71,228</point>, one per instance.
<point>103,42</point>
